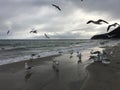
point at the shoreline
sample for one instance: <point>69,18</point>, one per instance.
<point>71,75</point>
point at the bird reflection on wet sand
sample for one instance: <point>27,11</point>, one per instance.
<point>28,74</point>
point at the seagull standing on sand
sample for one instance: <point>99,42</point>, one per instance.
<point>27,67</point>
<point>80,57</point>
<point>97,22</point>
<point>55,66</point>
<point>8,32</point>
<point>56,7</point>
<point>115,24</point>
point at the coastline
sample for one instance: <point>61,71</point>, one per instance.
<point>105,77</point>
<point>71,75</point>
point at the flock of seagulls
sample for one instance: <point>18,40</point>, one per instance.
<point>98,56</point>
<point>100,21</point>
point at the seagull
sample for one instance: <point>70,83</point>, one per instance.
<point>27,67</point>
<point>8,32</point>
<point>110,36</point>
<point>80,58</point>
<point>33,31</point>
<point>56,7</point>
<point>95,52</point>
<point>55,66</point>
<point>115,24</point>
<point>97,22</point>
<point>46,36</point>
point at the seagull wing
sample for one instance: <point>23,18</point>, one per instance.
<point>116,24</point>
<point>108,27</point>
<point>100,20</point>
<point>89,21</point>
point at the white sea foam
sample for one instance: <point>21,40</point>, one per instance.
<point>54,51</point>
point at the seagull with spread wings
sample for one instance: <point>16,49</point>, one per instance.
<point>97,22</point>
<point>56,7</point>
<point>114,25</point>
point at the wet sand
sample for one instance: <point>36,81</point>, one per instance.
<point>105,77</point>
<point>71,75</point>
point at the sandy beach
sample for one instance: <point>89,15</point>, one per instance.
<point>105,77</point>
<point>71,75</point>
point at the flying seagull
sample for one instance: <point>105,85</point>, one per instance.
<point>8,32</point>
<point>33,31</point>
<point>115,24</point>
<point>56,7</point>
<point>46,36</point>
<point>97,22</point>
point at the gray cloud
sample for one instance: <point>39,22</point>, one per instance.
<point>20,16</point>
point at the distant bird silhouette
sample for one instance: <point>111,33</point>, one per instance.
<point>33,31</point>
<point>56,7</point>
<point>115,24</point>
<point>110,36</point>
<point>8,32</point>
<point>97,22</point>
<point>27,67</point>
<point>46,36</point>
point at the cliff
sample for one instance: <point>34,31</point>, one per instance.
<point>114,34</point>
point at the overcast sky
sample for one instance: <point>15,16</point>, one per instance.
<point>19,16</point>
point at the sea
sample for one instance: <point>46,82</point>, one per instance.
<point>16,50</point>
